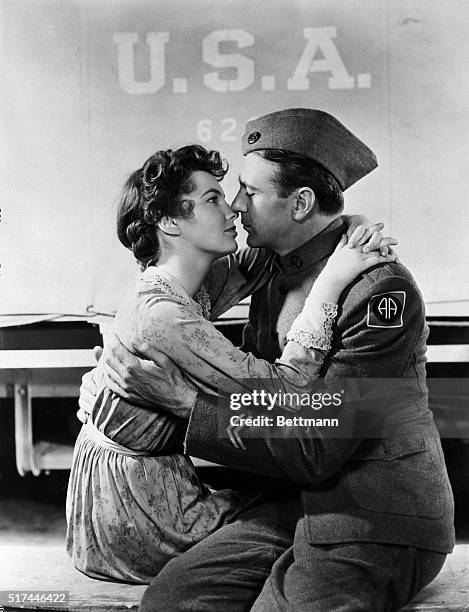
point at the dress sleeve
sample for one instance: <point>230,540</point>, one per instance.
<point>235,277</point>
<point>214,364</point>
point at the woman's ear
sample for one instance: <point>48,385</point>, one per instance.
<point>169,226</point>
<point>303,204</point>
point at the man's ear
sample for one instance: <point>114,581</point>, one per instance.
<point>303,204</point>
<point>169,226</point>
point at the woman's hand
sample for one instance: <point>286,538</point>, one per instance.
<point>354,222</point>
<point>351,257</point>
<point>371,239</point>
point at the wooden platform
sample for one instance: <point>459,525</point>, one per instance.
<point>450,589</point>
<point>32,568</point>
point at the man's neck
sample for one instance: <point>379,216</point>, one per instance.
<point>301,234</point>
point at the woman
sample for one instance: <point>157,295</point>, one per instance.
<point>134,500</point>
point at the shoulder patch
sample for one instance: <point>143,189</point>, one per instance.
<point>386,309</point>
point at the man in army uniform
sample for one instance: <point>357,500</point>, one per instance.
<point>373,518</point>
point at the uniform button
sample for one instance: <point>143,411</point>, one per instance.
<point>283,289</point>
<point>296,261</point>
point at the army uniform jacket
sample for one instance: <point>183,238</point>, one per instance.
<point>392,489</point>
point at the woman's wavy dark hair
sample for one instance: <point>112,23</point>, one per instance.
<point>154,191</point>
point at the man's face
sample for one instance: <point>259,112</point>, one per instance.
<point>264,215</point>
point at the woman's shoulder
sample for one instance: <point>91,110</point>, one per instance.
<point>153,291</point>
<point>154,282</point>
<point>161,293</point>
<point>154,305</point>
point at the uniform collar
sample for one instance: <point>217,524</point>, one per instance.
<point>310,253</point>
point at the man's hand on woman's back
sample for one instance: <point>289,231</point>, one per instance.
<point>88,389</point>
<point>139,381</point>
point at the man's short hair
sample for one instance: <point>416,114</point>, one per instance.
<point>295,170</point>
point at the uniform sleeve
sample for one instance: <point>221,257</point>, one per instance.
<point>212,362</point>
<point>377,330</point>
<point>376,337</point>
<point>235,277</point>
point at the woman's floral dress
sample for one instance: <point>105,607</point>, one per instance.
<point>134,499</point>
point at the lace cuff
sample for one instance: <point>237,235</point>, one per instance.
<point>321,336</point>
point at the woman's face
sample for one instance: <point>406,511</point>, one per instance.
<point>211,228</point>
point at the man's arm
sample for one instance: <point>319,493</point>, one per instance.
<point>234,277</point>
<point>366,348</point>
<point>138,381</point>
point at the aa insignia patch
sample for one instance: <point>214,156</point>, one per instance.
<point>386,309</point>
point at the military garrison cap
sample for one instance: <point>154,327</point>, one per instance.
<point>314,134</point>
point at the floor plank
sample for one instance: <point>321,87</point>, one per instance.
<point>48,568</point>
<point>32,568</point>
